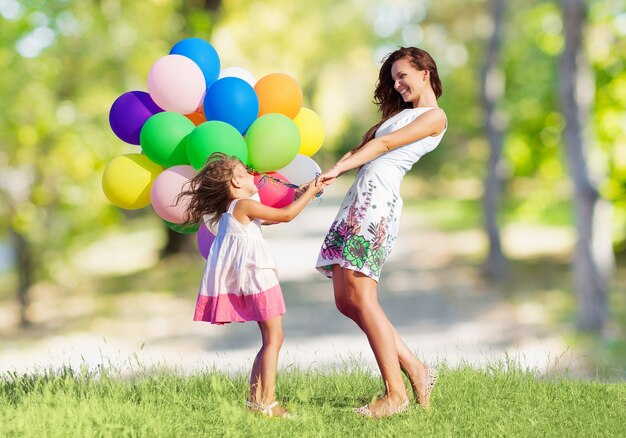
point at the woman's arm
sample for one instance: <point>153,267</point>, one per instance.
<point>248,209</point>
<point>428,124</point>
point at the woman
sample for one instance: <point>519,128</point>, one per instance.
<point>366,227</point>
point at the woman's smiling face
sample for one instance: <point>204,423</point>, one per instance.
<point>408,81</point>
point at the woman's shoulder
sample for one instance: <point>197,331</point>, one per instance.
<point>409,115</point>
<point>434,114</point>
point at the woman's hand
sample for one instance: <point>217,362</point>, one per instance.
<point>329,176</point>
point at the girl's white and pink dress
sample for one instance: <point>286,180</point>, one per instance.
<point>240,280</point>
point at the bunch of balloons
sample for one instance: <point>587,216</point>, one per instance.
<point>194,108</point>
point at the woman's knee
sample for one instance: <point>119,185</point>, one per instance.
<point>360,291</point>
<point>343,306</point>
<point>355,301</point>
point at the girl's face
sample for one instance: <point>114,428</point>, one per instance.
<point>244,179</point>
<point>408,81</point>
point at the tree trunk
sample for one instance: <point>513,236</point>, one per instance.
<point>593,259</point>
<point>25,270</point>
<point>492,91</point>
<point>176,243</point>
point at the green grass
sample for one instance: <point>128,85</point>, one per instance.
<point>497,401</point>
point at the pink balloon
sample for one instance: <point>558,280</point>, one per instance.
<point>177,84</point>
<point>273,193</point>
<point>166,188</point>
<point>205,239</point>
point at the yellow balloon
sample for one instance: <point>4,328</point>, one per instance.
<point>311,130</point>
<point>127,180</point>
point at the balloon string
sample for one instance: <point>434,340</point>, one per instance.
<point>273,180</point>
<point>265,177</point>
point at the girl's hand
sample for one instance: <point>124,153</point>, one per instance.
<point>315,186</point>
<point>300,191</point>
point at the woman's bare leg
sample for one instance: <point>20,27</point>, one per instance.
<point>362,301</point>
<point>410,364</point>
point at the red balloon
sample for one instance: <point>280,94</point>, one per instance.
<point>274,193</point>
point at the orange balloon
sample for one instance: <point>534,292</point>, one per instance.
<point>197,117</point>
<point>279,93</point>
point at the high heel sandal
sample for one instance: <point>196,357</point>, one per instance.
<point>431,378</point>
<point>365,410</point>
<point>265,410</point>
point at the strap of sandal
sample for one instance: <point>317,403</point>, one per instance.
<point>262,408</point>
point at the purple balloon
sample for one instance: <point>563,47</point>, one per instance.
<point>205,240</point>
<point>128,114</point>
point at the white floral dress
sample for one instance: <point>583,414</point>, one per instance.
<point>363,233</point>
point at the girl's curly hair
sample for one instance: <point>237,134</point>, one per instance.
<point>209,191</point>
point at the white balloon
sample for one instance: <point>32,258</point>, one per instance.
<point>302,169</point>
<point>238,72</point>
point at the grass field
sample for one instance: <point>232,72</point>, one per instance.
<point>501,400</point>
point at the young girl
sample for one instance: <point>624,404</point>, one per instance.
<point>239,282</point>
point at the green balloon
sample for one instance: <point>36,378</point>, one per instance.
<point>163,138</point>
<point>215,136</point>
<point>273,142</point>
<point>186,228</point>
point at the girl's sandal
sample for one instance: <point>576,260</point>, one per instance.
<point>365,410</point>
<point>265,410</point>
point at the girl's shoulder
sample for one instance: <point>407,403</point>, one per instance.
<point>244,208</point>
<point>243,203</point>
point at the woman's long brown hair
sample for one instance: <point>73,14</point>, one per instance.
<point>209,191</point>
<point>389,101</point>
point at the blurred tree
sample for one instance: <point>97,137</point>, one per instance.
<point>492,81</point>
<point>66,62</point>
<point>59,82</point>
<point>593,259</point>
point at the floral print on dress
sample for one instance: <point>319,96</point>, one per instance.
<point>345,241</point>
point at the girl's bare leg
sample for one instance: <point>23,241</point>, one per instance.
<point>263,376</point>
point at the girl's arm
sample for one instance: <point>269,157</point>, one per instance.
<point>248,209</point>
<point>428,124</point>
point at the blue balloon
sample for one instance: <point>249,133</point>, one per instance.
<point>232,100</point>
<point>203,54</point>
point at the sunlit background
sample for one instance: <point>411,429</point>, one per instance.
<point>78,274</point>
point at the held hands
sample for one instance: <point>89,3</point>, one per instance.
<point>311,188</point>
<point>318,184</point>
<point>328,177</point>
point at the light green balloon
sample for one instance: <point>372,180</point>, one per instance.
<point>162,138</point>
<point>215,136</point>
<point>273,141</point>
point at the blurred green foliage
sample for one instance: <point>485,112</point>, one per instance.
<point>66,62</point>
